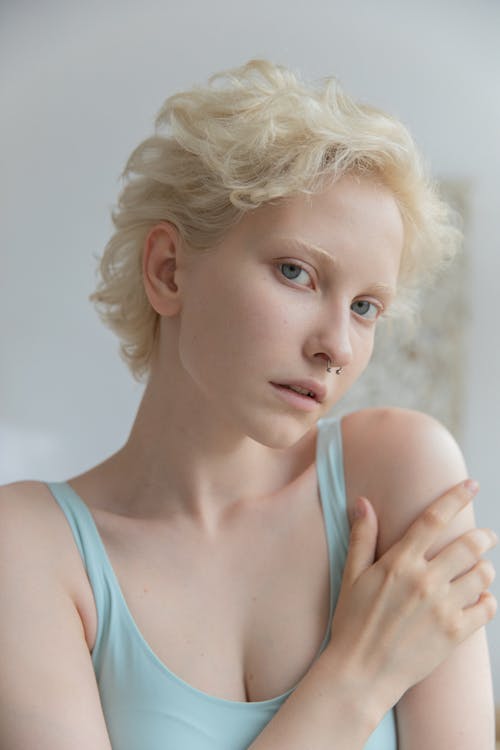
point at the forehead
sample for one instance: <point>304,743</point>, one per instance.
<point>352,214</point>
<point>349,201</point>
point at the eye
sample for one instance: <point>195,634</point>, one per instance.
<point>366,309</point>
<point>292,271</point>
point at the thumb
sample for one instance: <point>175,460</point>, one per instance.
<point>363,540</point>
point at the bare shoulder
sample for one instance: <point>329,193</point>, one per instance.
<point>34,534</point>
<point>401,460</point>
<point>46,666</point>
<point>400,445</point>
<point>30,519</point>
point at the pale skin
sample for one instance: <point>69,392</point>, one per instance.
<point>217,464</point>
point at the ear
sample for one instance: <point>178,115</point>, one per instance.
<point>160,268</point>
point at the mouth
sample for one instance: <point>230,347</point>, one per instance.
<point>298,389</point>
<point>306,400</point>
<point>307,387</point>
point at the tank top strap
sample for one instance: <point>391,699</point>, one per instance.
<point>330,471</point>
<point>331,482</point>
<point>89,544</point>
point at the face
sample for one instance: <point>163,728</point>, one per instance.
<point>290,285</point>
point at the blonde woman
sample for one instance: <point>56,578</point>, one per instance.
<point>248,571</point>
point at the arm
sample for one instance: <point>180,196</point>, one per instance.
<point>395,621</point>
<point>48,693</point>
<point>409,460</point>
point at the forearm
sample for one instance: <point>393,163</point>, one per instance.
<point>328,709</point>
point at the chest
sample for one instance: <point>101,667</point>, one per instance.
<point>240,615</point>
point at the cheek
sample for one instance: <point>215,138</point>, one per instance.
<point>353,372</point>
<point>252,309</point>
<point>363,345</point>
<point>370,345</point>
<point>219,324</point>
<point>366,354</point>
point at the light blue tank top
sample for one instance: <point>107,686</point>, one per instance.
<point>148,707</point>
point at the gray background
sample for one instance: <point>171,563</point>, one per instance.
<point>80,83</point>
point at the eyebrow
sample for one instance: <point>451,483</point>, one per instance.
<point>324,256</point>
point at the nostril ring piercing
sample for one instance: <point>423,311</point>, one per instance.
<point>329,367</point>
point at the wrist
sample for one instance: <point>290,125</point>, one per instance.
<point>340,700</point>
<point>325,707</point>
<point>358,694</point>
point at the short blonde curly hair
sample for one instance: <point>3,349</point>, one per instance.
<point>252,135</point>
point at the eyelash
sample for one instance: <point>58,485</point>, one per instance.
<point>377,307</point>
<point>294,265</point>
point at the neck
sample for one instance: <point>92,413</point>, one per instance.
<point>182,458</point>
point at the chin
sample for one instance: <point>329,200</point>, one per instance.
<point>282,433</point>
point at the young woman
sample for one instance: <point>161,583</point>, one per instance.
<point>248,571</point>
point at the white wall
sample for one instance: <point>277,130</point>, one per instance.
<point>79,86</point>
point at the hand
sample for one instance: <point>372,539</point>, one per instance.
<point>398,618</point>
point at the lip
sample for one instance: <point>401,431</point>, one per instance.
<point>318,389</point>
<point>297,400</point>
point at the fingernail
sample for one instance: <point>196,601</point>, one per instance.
<point>471,485</point>
<point>359,509</point>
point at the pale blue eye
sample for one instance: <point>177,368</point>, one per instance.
<point>291,271</point>
<point>365,309</point>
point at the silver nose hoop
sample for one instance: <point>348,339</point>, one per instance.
<point>338,371</point>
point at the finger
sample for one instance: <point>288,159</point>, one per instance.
<point>435,518</point>
<point>467,588</point>
<point>362,542</point>
<point>478,615</point>
<point>463,553</point>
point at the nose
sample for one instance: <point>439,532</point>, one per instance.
<point>334,340</point>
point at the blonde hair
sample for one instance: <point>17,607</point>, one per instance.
<point>252,135</point>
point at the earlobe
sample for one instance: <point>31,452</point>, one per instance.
<point>160,268</point>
